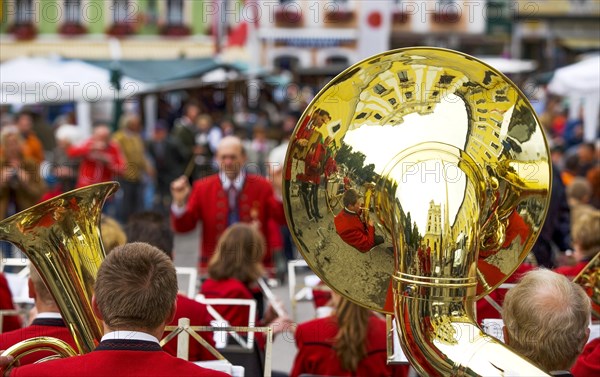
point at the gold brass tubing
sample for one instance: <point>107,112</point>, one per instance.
<point>434,283</point>
<point>447,342</point>
<point>40,343</point>
<point>589,279</point>
<point>61,238</point>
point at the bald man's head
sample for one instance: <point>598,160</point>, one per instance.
<point>231,156</point>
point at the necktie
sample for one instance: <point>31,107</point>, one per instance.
<point>233,211</point>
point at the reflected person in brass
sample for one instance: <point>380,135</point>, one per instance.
<point>350,226</point>
<point>310,148</point>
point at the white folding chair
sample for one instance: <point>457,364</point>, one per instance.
<point>191,274</point>
<point>244,353</point>
<point>299,292</point>
<point>493,302</point>
<point>17,281</point>
<point>23,263</point>
<point>19,288</point>
<point>209,302</point>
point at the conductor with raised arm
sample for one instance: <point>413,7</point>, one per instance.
<point>227,197</point>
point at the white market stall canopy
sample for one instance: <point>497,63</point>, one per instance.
<point>26,81</point>
<point>509,66</point>
<point>581,77</point>
<point>580,82</point>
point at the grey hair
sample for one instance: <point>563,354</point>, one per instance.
<point>547,316</point>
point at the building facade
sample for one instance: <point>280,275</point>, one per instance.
<point>146,29</point>
<point>553,32</point>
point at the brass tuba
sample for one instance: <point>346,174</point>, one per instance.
<point>462,181</point>
<point>61,238</point>
<point>589,280</point>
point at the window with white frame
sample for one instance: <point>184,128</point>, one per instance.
<point>449,4</point>
<point>175,12</point>
<point>72,11</point>
<point>152,12</point>
<point>448,7</point>
<point>120,10</point>
<point>24,12</point>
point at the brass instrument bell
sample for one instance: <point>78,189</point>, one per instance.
<point>462,176</point>
<point>61,238</point>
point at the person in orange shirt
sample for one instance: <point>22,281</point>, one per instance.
<point>32,146</point>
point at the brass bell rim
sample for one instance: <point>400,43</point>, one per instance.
<point>109,187</point>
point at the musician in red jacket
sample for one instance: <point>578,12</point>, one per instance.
<point>154,229</point>
<point>225,198</point>
<point>350,226</point>
<point>135,297</point>
<point>48,321</point>
<point>310,179</point>
<point>350,342</point>
<point>233,273</point>
<point>11,322</point>
<point>588,363</point>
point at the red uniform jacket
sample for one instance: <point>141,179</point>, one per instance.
<point>314,163</point>
<point>572,271</point>
<point>10,322</point>
<point>353,231</point>
<point>198,316</point>
<point>229,288</point>
<point>303,132</point>
<point>485,309</point>
<point>315,340</point>
<point>52,327</point>
<point>93,171</point>
<point>208,203</point>
<point>588,363</point>
<point>330,167</point>
<point>114,358</point>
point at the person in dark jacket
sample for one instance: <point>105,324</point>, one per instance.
<point>555,234</point>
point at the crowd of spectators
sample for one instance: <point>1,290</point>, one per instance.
<point>194,145</point>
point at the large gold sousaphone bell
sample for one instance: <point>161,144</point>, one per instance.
<point>61,238</point>
<point>455,171</point>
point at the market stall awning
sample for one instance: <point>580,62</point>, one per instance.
<point>164,71</point>
<point>580,82</point>
<point>582,77</point>
<point>56,80</point>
